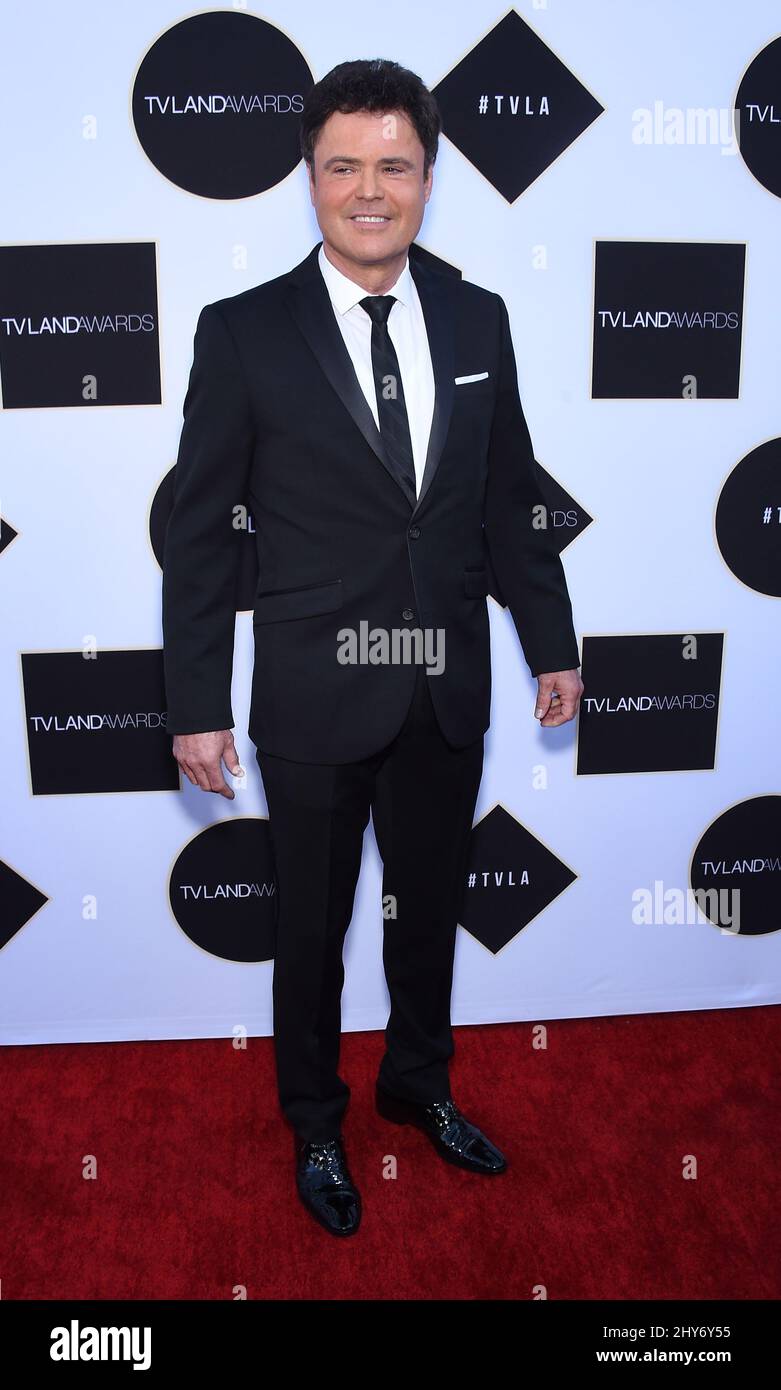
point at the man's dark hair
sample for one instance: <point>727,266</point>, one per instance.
<point>371,84</point>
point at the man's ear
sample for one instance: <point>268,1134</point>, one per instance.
<point>311,176</point>
<point>428,183</point>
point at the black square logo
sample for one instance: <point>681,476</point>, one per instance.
<point>668,320</point>
<point>650,703</point>
<point>97,722</point>
<point>79,325</point>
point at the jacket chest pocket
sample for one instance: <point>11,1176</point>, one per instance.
<point>478,392</point>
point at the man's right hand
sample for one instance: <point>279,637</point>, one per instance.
<point>199,756</point>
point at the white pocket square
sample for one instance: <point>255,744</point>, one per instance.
<point>478,376</point>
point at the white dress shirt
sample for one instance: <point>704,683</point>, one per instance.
<point>407,330</point>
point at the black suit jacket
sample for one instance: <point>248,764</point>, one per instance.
<point>274,418</point>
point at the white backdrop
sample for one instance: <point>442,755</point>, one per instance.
<point>78,486</point>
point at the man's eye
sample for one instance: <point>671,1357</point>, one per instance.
<point>349,169</point>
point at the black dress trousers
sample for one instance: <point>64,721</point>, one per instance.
<point>421,794</point>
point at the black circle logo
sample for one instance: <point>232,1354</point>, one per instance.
<point>736,868</point>
<point>242,527</point>
<point>217,104</point>
<point>756,121</point>
<point>223,890</point>
<point>748,519</point>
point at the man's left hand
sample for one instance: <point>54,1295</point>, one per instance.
<point>558,697</point>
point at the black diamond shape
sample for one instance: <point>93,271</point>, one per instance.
<point>513,141</point>
<point>19,901</point>
<point>7,534</point>
<point>566,517</point>
<point>498,902</point>
<point>566,520</point>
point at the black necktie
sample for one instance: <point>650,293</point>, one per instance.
<point>391,409</point>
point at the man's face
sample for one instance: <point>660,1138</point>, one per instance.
<point>369,193</point>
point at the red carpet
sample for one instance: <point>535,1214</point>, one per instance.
<point>194,1192</point>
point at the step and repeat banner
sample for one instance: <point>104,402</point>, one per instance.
<point>612,170</point>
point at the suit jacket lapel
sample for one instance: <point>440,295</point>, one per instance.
<point>434,294</point>
<point>310,305</point>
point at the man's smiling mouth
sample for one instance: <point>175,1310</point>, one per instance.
<point>369,218</point>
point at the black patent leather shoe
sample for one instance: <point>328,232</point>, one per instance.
<point>453,1137</point>
<point>325,1185</point>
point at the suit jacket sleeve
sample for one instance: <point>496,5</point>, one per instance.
<point>524,557</point>
<point>201,552</point>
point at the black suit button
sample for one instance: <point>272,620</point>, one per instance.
<point>414,532</point>
<point>408,614</point>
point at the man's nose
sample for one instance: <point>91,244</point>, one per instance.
<point>367,187</point>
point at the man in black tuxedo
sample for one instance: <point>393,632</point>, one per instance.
<point>366,406</point>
